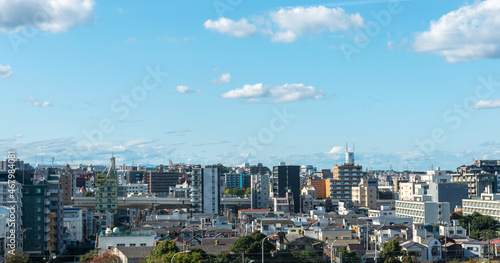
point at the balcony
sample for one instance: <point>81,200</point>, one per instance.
<point>47,211</point>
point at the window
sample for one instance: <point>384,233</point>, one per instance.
<point>132,244</point>
<point>39,209</point>
<point>38,190</point>
<point>120,245</point>
<point>38,200</point>
<point>143,244</point>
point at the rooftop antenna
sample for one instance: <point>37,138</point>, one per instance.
<point>41,162</point>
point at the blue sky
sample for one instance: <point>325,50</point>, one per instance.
<point>411,83</point>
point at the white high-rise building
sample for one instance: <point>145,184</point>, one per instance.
<point>260,191</point>
<point>210,191</point>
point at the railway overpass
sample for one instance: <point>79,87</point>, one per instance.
<point>158,202</point>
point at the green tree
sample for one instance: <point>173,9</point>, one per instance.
<point>238,191</point>
<point>479,224</point>
<point>407,258</point>
<point>248,191</point>
<point>89,256</point>
<point>191,257</point>
<point>456,215</point>
<point>228,190</point>
<point>390,249</point>
<point>163,252</point>
<point>106,257</point>
<point>251,245</point>
<point>348,256</point>
<point>17,257</point>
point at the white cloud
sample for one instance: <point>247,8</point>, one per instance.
<point>336,150</point>
<point>228,26</point>
<point>390,45</point>
<point>54,16</point>
<point>224,78</point>
<point>185,89</point>
<point>286,25</point>
<point>130,40</point>
<point>248,91</point>
<point>484,104</point>
<point>299,20</point>
<point>470,33</point>
<point>286,37</point>
<point>275,94</point>
<point>5,71</point>
<point>39,103</point>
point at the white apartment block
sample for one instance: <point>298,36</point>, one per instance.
<point>489,204</point>
<point>424,211</point>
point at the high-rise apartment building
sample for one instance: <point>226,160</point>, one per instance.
<point>286,177</point>
<point>159,182</point>
<point>365,194</point>
<point>345,176</point>
<point>260,191</point>
<point>205,190</point>
<point>106,194</point>
<point>320,185</point>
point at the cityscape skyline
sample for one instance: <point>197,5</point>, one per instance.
<point>240,82</point>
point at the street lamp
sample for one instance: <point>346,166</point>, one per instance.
<point>262,245</point>
<point>331,249</point>
<point>172,261</point>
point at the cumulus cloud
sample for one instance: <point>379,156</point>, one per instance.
<point>39,103</point>
<point>274,94</point>
<point>228,26</point>
<point>185,89</point>
<point>336,150</point>
<point>5,71</point>
<point>287,24</point>
<point>53,16</point>
<point>470,33</point>
<point>484,104</point>
<point>130,40</point>
<point>224,78</point>
<point>300,20</point>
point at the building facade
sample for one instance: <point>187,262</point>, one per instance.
<point>365,194</point>
<point>260,191</point>
<point>425,212</point>
<point>284,178</point>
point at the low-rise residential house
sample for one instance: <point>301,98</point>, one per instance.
<point>272,225</point>
<point>301,244</point>
<point>110,240</point>
<point>433,248</point>
<point>391,220</point>
<point>382,234</point>
<point>132,254</point>
<point>384,211</point>
<point>336,234</point>
<point>415,250</point>
<point>475,249</point>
